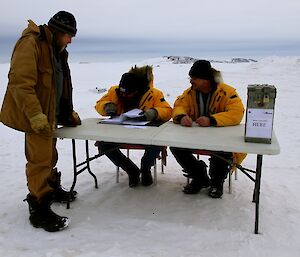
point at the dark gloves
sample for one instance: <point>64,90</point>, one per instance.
<point>71,120</point>
<point>110,109</point>
<point>178,118</point>
<point>151,114</point>
<point>75,119</point>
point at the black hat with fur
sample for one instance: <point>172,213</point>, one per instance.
<point>202,69</point>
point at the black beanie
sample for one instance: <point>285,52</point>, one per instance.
<point>129,83</point>
<point>201,69</point>
<point>64,21</point>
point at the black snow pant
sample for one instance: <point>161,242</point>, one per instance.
<point>218,169</point>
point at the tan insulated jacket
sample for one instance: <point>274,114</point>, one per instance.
<point>31,87</point>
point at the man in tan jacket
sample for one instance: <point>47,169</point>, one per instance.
<point>37,99</point>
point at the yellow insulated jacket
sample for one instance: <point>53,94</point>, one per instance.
<point>153,98</point>
<point>225,107</point>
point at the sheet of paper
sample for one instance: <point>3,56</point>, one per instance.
<point>135,122</point>
<point>135,127</point>
<point>259,123</point>
<point>131,117</point>
<point>134,113</point>
<point>113,120</point>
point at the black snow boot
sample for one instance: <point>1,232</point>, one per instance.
<point>218,172</point>
<point>147,179</point>
<point>41,215</point>
<point>133,177</point>
<point>60,195</point>
<point>216,191</point>
<point>195,186</point>
<point>113,152</point>
<point>132,171</point>
<point>199,178</point>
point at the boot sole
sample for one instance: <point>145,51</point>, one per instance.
<point>193,192</point>
<point>53,229</point>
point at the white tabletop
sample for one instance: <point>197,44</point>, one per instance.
<point>230,139</point>
<point>92,130</point>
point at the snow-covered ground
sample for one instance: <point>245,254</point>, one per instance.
<point>160,220</point>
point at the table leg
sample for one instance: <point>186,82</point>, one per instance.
<point>88,163</point>
<point>257,190</point>
<point>74,171</point>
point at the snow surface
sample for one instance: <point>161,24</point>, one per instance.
<point>160,220</point>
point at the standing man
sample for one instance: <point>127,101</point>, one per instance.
<point>37,99</point>
<point>135,90</point>
<point>208,102</point>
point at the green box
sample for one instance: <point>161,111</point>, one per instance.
<point>260,113</point>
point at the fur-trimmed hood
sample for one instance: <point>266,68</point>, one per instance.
<point>145,73</point>
<point>217,76</point>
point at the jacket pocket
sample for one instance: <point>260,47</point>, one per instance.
<point>45,77</point>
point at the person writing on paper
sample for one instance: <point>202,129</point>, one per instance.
<point>207,102</point>
<point>37,99</point>
<point>135,90</point>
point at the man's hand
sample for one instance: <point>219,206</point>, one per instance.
<point>186,121</point>
<point>39,123</point>
<point>203,121</point>
<point>110,109</point>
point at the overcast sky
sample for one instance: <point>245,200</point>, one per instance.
<point>213,21</point>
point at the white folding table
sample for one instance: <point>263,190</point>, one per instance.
<point>92,129</point>
<point>227,139</point>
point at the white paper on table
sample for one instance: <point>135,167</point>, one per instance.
<point>127,118</point>
<point>113,120</point>
<point>134,113</point>
<point>135,127</point>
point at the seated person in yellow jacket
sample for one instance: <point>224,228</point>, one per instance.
<point>207,102</point>
<point>135,90</point>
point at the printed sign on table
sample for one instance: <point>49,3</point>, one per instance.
<point>259,123</point>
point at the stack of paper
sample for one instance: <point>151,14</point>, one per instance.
<point>132,117</point>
